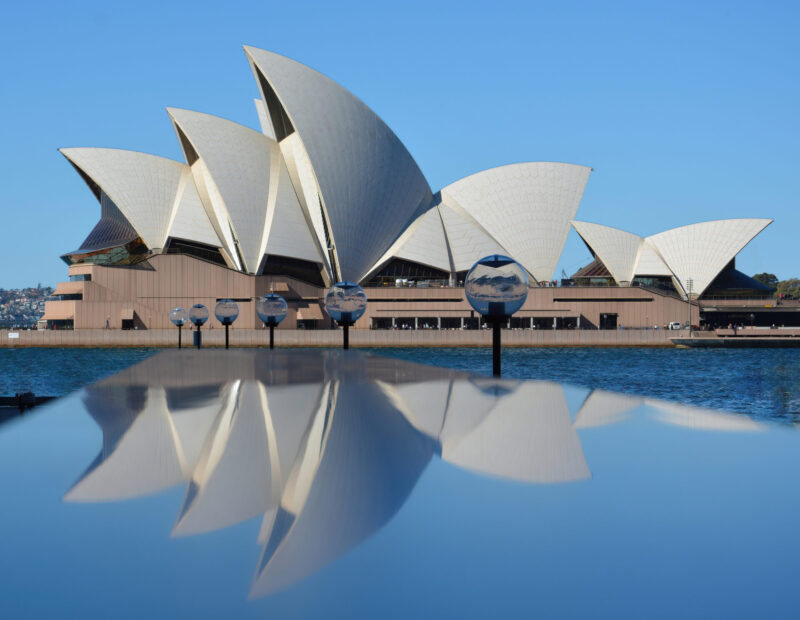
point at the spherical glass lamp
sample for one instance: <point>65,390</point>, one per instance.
<point>198,314</point>
<point>271,309</point>
<point>346,302</point>
<point>226,311</point>
<point>179,316</point>
<point>496,286</point>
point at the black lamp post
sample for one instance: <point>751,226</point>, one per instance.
<point>496,287</point>
<point>198,314</point>
<point>226,312</point>
<point>179,316</point>
<point>346,302</point>
<point>271,309</point>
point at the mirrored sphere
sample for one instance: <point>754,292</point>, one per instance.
<point>271,308</point>
<point>226,311</point>
<point>496,286</point>
<point>346,302</point>
<point>198,314</point>
<point>179,316</point>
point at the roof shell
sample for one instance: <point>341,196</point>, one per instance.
<point>699,252</point>
<point>618,249</point>
<point>143,187</point>
<point>238,160</point>
<point>526,208</point>
<point>370,185</point>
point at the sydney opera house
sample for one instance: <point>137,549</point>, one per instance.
<point>325,191</point>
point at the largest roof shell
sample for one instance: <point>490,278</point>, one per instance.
<point>371,187</point>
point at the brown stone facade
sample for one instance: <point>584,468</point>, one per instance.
<point>141,297</point>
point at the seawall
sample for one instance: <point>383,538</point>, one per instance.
<point>333,338</point>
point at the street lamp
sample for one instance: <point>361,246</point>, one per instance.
<point>271,309</point>
<point>198,314</point>
<point>179,316</point>
<point>226,312</point>
<point>496,287</point>
<point>345,303</point>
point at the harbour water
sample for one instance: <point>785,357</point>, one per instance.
<point>761,383</point>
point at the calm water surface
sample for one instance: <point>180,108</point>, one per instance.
<point>762,383</point>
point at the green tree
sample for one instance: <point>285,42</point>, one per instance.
<point>770,279</point>
<point>790,287</point>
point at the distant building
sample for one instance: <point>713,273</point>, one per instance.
<point>327,192</point>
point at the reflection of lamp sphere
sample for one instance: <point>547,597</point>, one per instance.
<point>226,311</point>
<point>179,316</point>
<point>271,308</point>
<point>496,286</point>
<point>198,314</point>
<point>346,302</point>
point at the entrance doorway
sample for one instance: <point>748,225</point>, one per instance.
<point>608,321</point>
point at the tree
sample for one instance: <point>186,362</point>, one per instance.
<point>770,279</point>
<point>790,287</point>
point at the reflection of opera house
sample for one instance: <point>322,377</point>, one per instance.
<point>327,192</point>
<point>325,448</point>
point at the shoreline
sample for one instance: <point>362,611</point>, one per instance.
<point>215,338</point>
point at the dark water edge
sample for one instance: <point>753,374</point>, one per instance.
<point>764,383</point>
<point>56,372</point>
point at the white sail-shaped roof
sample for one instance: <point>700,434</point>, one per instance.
<point>189,218</point>
<point>526,208</point>
<point>649,263</point>
<point>468,242</point>
<point>288,231</point>
<point>371,187</point>
<point>238,159</point>
<point>700,251</point>
<point>618,250</point>
<point>142,186</point>
<point>423,242</point>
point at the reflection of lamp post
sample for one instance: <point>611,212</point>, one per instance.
<point>226,312</point>
<point>496,287</point>
<point>271,309</point>
<point>345,303</point>
<point>198,315</point>
<point>179,316</point>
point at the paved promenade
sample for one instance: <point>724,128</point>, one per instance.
<point>331,338</point>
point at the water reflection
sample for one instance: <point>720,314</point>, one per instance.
<point>326,446</point>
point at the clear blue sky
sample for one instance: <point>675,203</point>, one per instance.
<point>686,111</point>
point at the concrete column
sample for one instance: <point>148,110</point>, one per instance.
<point>554,322</point>
<point>578,322</point>
<point>394,322</point>
<point>416,322</point>
<point>438,322</point>
<point>462,322</point>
